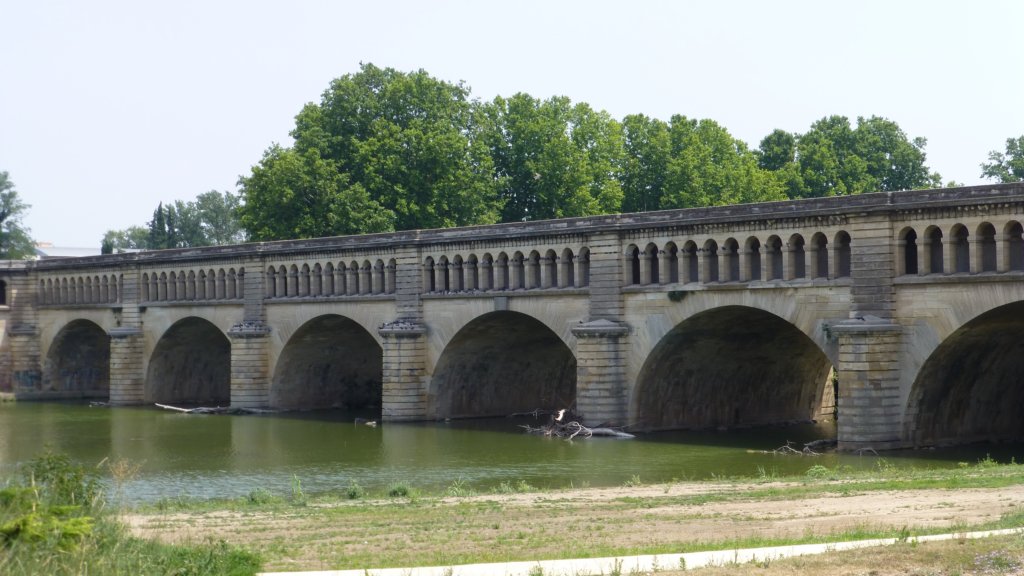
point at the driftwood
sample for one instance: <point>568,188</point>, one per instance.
<point>563,424</point>
<point>808,450</point>
<point>216,410</point>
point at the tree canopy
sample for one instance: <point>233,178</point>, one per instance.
<point>382,150</point>
<point>211,219</point>
<point>551,158</point>
<point>16,243</point>
<point>386,150</point>
<point>1008,166</point>
<point>834,158</point>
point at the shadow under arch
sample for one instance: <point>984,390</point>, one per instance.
<point>969,389</point>
<point>191,364</point>
<point>330,362</point>
<point>729,367</point>
<point>78,362</point>
<point>502,363</point>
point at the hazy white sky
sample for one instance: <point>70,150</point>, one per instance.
<point>107,108</point>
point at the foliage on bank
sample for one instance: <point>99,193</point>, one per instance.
<point>53,521</point>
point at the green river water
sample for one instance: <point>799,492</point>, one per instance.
<point>225,456</point>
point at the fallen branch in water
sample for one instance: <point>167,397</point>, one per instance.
<point>216,410</point>
<point>788,450</point>
<point>563,425</point>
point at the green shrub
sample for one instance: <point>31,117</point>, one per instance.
<point>354,491</point>
<point>398,490</point>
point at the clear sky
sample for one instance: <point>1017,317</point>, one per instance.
<point>108,107</point>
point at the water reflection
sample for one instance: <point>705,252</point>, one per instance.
<point>228,456</point>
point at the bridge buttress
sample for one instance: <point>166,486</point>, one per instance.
<point>23,330</point>
<point>127,347</point>
<point>601,341</point>
<point>404,384</point>
<point>870,405</point>
<point>250,343</point>
<point>869,402</point>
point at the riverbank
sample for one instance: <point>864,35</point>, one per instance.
<point>293,532</point>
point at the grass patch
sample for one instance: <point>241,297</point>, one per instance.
<point>53,520</point>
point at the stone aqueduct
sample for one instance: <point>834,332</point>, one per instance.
<point>701,318</point>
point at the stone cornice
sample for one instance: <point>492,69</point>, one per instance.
<point>708,218</point>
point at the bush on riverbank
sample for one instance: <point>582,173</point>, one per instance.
<point>53,521</point>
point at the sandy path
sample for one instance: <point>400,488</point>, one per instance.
<point>318,537</point>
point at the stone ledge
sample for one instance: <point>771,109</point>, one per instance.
<point>249,329</point>
<point>601,328</point>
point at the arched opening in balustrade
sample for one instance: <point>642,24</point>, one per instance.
<point>632,265</point>
<point>441,271</point>
<point>303,281</point>
<point>533,270</point>
<point>773,247</point>
<point>330,362</point>
<point>499,364</point>
<point>327,282</point>
<point>78,362</point>
<point>584,267</point>
<point>797,257</point>
<point>986,250</point>
<point>472,273</point>
<point>549,270</point>
<point>486,275</point>
<point>843,258</point>
<point>1014,247</point>
<point>731,260</point>
<point>907,263</point>
<point>390,276</point>
<point>819,255</point>
<point>730,367</point>
<point>567,269</point>
<point>969,389</point>
<point>933,239</point>
<point>753,250</point>
<point>517,272</point>
<point>429,279</point>
<point>191,364</point>
<point>710,271</point>
<point>456,282</point>
<point>316,280</point>
<point>691,264</point>
<point>961,249</point>
<point>502,275</point>
<point>651,262</point>
<point>671,263</point>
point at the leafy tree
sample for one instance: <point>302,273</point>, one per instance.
<point>834,158</point>
<point>291,194</point>
<point>158,237</point>
<point>708,167</point>
<point>647,148</point>
<point>1006,167</point>
<point>552,159</point>
<point>131,238</point>
<point>404,138</point>
<point>213,218</point>
<point>218,218</point>
<point>15,241</point>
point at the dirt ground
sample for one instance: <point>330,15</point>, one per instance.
<point>564,523</point>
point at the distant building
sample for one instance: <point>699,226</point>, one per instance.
<point>46,251</point>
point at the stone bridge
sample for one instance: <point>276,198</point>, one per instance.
<point>703,318</point>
